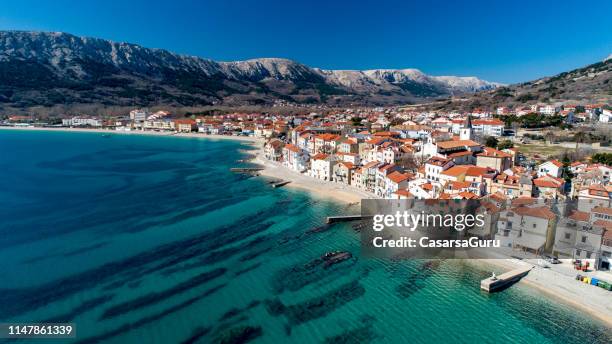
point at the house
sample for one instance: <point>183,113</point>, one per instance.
<point>606,247</point>
<point>512,185</point>
<point>488,127</point>
<point>159,124</point>
<point>394,182</point>
<point>491,213</point>
<point>547,110</point>
<point>494,159</point>
<point>553,168</point>
<point>273,150</point>
<point>605,116</point>
<point>527,228</point>
<point>185,125</point>
<point>349,145</point>
<point>353,158</point>
<point>382,171</point>
<point>595,195</point>
<point>460,151</point>
<point>421,188</point>
<point>549,187</point>
<point>342,172</point>
<point>295,158</point>
<point>326,143</point>
<point>321,166</point>
<point>567,231</point>
<point>435,166</point>
<point>368,176</point>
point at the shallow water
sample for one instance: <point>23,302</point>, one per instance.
<point>152,240</point>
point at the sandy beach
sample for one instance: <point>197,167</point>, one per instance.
<point>141,132</point>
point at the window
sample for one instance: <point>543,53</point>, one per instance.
<point>534,225</point>
<point>588,255</point>
<point>567,235</point>
<point>578,253</point>
<point>584,238</point>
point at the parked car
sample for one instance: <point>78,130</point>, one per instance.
<point>552,260</point>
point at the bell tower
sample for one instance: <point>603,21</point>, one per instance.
<point>466,133</point>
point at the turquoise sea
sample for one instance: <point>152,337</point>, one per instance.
<point>140,239</point>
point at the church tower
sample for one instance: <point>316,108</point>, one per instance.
<point>466,133</point>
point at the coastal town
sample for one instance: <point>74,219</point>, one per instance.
<point>407,153</point>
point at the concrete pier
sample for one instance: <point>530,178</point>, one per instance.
<point>281,183</point>
<point>346,218</point>
<point>492,284</point>
<point>246,169</point>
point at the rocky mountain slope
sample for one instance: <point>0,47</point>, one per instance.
<point>590,84</point>
<point>43,69</point>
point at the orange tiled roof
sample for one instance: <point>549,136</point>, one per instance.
<point>456,144</point>
<point>493,153</point>
<point>579,215</point>
<point>541,212</point>
<point>602,210</point>
<point>398,177</point>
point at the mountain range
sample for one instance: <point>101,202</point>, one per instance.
<point>43,69</point>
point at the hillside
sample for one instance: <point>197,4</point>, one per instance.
<point>42,69</point>
<point>590,84</point>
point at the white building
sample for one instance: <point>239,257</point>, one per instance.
<point>547,110</point>
<point>81,121</point>
<point>295,158</point>
<point>321,166</point>
<point>605,116</point>
<point>139,115</point>
<point>553,168</point>
<point>488,127</point>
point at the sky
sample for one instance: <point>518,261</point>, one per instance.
<point>503,41</point>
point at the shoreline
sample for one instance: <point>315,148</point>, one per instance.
<point>248,139</point>
<point>557,287</point>
<point>318,188</point>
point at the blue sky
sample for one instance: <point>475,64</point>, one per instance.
<point>504,41</point>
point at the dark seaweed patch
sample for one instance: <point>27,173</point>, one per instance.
<point>153,298</point>
<point>128,269</point>
<point>319,306</point>
<point>418,279</point>
<point>315,271</point>
<point>362,334</point>
<point>240,334</point>
<point>149,319</point>
<point>247,269</point>
<point>80,309</point>
<point>234,312</point>
<point>198,333</point>
<point>66,254</point>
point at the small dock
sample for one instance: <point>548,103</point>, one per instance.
<point>506,279</point>
<point>281,183</point>
<point>347,218</point>
<point>246,169</point>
